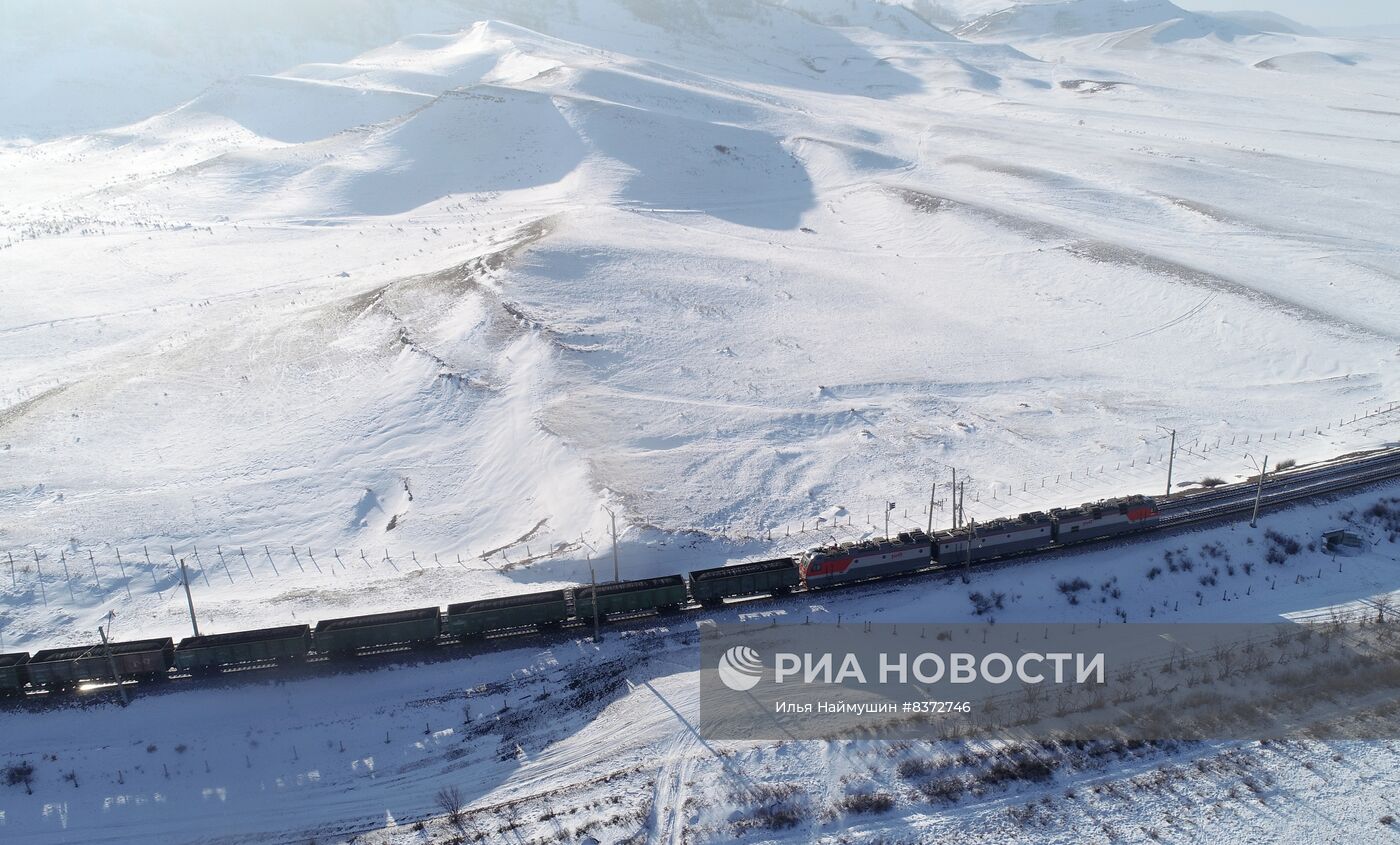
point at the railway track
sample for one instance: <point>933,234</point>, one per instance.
<point>1181,511</point>
<point>1294,485</point>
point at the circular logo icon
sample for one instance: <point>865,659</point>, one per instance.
<point>740,668</point>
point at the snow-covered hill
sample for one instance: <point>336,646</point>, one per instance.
<point>1165,20</point>
<point>360,325</point>
<point>1261,21</point>
<point>365,305</point>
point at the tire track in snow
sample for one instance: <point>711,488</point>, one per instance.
<point>1180,318</point>
<point>668,816</point>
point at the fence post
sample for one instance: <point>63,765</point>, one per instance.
<point>125,580</point>
<point>63,558</point>
<point>39,570</point>
<point>219,549</point>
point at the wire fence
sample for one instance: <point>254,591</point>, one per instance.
<point>81,575</point>
<point>1196,456</point>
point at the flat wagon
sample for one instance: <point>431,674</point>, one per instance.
<point>12,672</point>
<point>776,576</point>
<point>341,636</point>
<point>211,652</point>
<point>475,618</point>
<point>59,667</point>
<point>655,594</point>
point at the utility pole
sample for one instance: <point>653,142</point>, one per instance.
<point>931,491</point>
<point>954,488</point>
<point>185,577</point>
<point>971,529</point>
<point>616,571</point>
<point>1259,492</point>
<point>1171,461</point>
<point>593,581</point>
<point>112,664</point>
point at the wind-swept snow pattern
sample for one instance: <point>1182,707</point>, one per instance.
<point>402,316</point>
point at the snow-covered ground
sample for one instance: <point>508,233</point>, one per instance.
<point>723,269</point>
<point>368,307</point>
<point>558,740</point>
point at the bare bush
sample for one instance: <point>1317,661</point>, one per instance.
<point>1288,545</point>
<point>1383,604</point>
<point>983,604</point>
<point>1073,586</point>
<point>949,789</point>
<point>449,800</point>
<point>772,818</point>
<point>867,802</point>
<point>1026,768</point>
<point>20,774</point>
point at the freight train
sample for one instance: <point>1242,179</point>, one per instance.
<point>819,568</point>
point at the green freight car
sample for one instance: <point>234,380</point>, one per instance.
<point>60,667</point>
<point>655,594</point>
<point>212,651</point>
<point>475,618</point>
<point>12,672</point>
<point>713,586</point>
<point>345,635</point>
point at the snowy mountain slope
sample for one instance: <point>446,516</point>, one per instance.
<point>1261,21</point>
<point>890,18</point>
<point>1308,61</point>
<point>722,270</point>
<point>79,67</point>
<point>954,12</point>
<point>389,321</point>
<point>1166,21</point>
